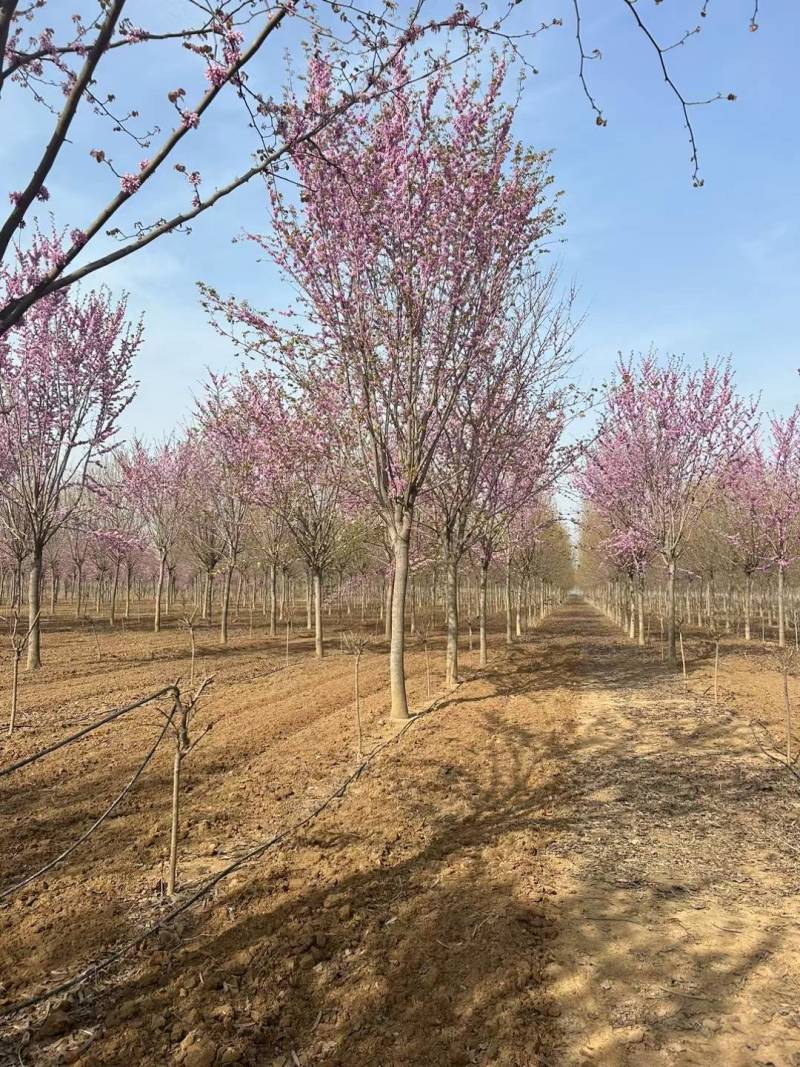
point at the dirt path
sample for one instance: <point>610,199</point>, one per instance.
<point>678,870</point>
<point>568,863</point>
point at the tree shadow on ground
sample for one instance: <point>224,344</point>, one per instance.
<point>418,922</point>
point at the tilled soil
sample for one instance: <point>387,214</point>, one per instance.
<point>569,860</point>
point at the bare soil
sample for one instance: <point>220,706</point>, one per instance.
<point>572,859</point>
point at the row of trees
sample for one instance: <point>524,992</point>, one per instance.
<point>416,397</point>
<point>103,572</point>
<point>686,480</point>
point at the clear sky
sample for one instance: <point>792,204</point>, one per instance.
<point>698,271</point>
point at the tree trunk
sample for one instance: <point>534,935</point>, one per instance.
<point>112,610</point>
<point>273,598</point>
<point>451,617</point>
<point>162,563</point>
<point>226,603</point>
<point>672,655</point>
<point>34,584</point>
<point>483,660</point>
<point>209,597</point>
<point>509,621</point>
<point>401,537</point>
<point>781,609</point>
<point>204,596</point>
<point>387,608</point>
<point>748,605</point>
<point>319,649</point>
<point>640,606</point>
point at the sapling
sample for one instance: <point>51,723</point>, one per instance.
<point>90,620</point>
<point>181,718</point>
<point>355,644</point>
<point>18,644</point>
<point>786,664</point>
<point>424,631</point>
<point>187,620</point>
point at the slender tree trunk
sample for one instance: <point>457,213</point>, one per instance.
<point>78,591</point>
<point>209,597</point>
<point>640,605</point>
<point>401,537</point>
<point>451,616</point>
<point>128,577</point>
<point>672,650</point>
<point>509,618</point>
<point>204,596</point>
<point>14,683</point>
<point>34,586</point>
<point>226,603</point>
<point>273,598</point>
<point>162,564</point>
<point>175,824</point>
<point>483,660</point>
<point>748,604</point>
<point>112,610</point>
<point>239,584</point>
<point>781,609</point>
<point>319,648</point>
<point>387,608</point>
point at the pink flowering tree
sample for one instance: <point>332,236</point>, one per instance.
<point>157,482</point>
<point>292,450</point>
<point>415,219</point>
<point>670,440</point>
<point>269,538</point>
<point>229,472</point>
<point>742,524</point>
<point>628,546</point>
<point>65,379</point>
<point>766,498</point>
<point>79,64</point>
<point>114,537</point>
<point>500,447</point>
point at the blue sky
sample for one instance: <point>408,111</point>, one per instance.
<point>698,271</point>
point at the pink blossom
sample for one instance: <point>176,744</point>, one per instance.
<point>216,74</point>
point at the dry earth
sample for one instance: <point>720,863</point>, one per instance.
<point>570,860</point>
